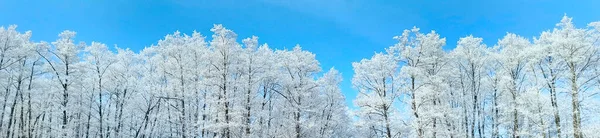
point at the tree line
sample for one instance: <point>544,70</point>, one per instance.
<point>545,87</point>
<point>184,86</point>
<point>191,86</point>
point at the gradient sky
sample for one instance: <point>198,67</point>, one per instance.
<point>339,32</point>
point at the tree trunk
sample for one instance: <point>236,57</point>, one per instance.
<point>7,91</point>
<point>554,104</point>
<point>12,108</point>
<point>65,101</point>
<point>515,118</point>
<point>575,103</point>
<point>248,95</point>
<point>388,130</point>
<point>414,108</point>
<point>496,116</point>
<point>297,119</point>
<point>101,119</point>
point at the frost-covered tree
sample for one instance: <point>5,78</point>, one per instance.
<point>61,60</point>
<point>574,51</point>
<point>122,86</point>
<point>17,68</point>
<point>267,84</point>
<point>224,62</point>
<point>297,87</point>
<point>469,57</point>
<point>377,83</point>
<point>100,60</point>
<point>333,121</point>
<point>424,62</point>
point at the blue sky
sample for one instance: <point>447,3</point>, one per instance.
<point>339,32</point>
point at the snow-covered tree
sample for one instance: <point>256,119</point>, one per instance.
<point>297,87</point>
<point>378,86</point>
<point>62,60</point>
<point>470,57</point>
<point>573,50</point>
<point>424,62</point>
<point>333,121</point>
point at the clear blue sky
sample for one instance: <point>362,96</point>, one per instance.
<point>339,32</point>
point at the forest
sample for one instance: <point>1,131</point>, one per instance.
<point>192,85</point>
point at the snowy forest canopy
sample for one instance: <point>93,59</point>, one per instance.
<point>188,86</point>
